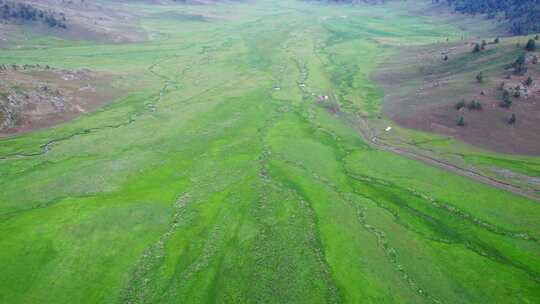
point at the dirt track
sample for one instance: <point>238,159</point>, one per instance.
<point>376,142</point>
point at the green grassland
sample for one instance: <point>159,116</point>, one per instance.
<point>208,184</point>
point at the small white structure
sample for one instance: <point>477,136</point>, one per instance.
<point>388,129</point>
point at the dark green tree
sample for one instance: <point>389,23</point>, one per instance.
<point>512,119</point>
<point>517,91</point>
<point>480,77</point>
<point>521,16</point>
<point>519,64</point>
<point>529,81</point>
<point>507,99</point>
<point>461,121</point>
<point>474,105</point>
<point>531,45</point>
<point>460,105</point>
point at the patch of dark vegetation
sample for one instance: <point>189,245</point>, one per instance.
<point>521,16</point>
<point>507,100</point>
<point>15,11</point>
<point>182,16</point>
<point>531,45</point>
<point>520,65</point>
<point>474,105</point>
<point>512,120</point>
<point>352,1</point>
<point>461,121</point>
<point>440,221</point>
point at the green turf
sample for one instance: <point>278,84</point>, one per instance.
<point>207,184</point>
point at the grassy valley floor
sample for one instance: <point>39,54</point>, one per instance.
<point>231,174</point>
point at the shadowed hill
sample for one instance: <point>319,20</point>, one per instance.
<point>11,11</point>
<point>522,16</point>
<point>105,21</point>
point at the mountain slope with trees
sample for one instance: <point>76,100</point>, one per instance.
<point>17,11</point>
<point>523,16</point>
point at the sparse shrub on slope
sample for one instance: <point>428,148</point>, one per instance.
<point>531,45</point>
<point>353,1</point>
<point>512,120</point>
<point>522,16</point>
<point>16,11</point>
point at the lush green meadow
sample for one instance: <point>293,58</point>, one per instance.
<point>221,178</point>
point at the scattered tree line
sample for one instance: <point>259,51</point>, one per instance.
<point>352,1</point>
<point>519,67</point>
<point>471,106</point>
<point>522,16</point>
<point>25,12</point>
<point>511,120</point>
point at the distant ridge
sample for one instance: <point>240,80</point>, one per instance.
<point>521,16</point>
<point>25,12</point>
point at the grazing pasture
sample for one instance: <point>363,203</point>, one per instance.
<point>232,171</point>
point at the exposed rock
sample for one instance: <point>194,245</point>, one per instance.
<point>34,97</point>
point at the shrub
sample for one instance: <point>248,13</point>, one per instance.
<point>519,64</point>
<point>474,105</point>
<point>517,91</point>
<point>512,119</point>
<point>531,45</point>
<point>461,121</point>
<point>480,77</point>
<point>460,105</point>
<point>529,81</point>
<point>507,99</point>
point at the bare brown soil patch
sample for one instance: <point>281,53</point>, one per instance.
<point>422,90</point>
<point>36,97</point>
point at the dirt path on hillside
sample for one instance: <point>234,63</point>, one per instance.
<point>361,125</point>
<point>366,132</point>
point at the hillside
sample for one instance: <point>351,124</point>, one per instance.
<point>432,87</point>
<point>72,20</point>
<point>34,96</point>
<point>23,12</point>
<point>520,16</point>
<point>79,20</point>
